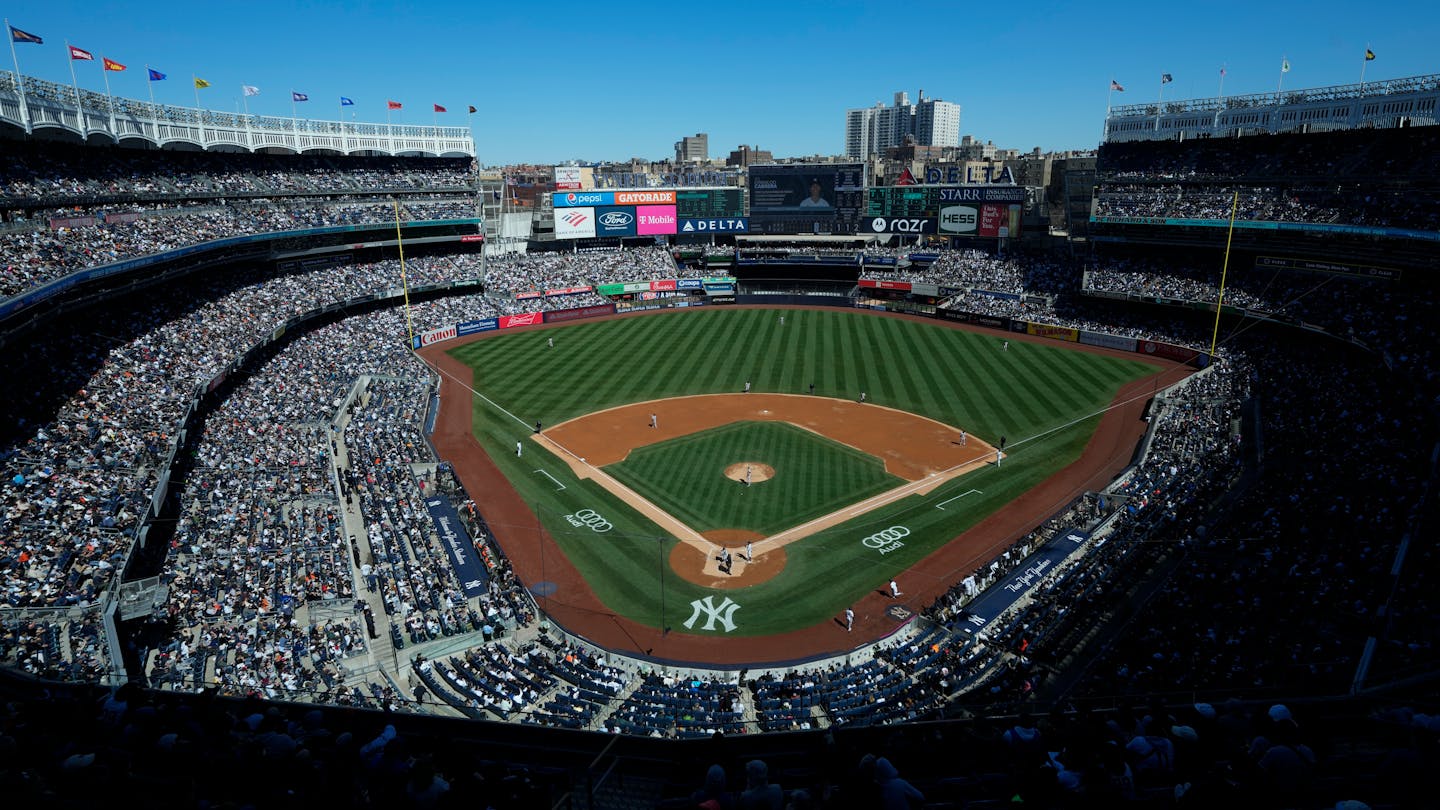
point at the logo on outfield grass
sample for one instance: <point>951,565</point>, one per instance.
<point>589,519</point>
<point>723,613</point>
<point>887,540</point>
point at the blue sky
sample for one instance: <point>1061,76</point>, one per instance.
<point>614,80</point>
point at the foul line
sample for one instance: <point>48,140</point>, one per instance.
<point>552,478</point>
<point>461,383</point>
<point>941,505</point>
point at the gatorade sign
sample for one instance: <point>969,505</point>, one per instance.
<point>959,219</point>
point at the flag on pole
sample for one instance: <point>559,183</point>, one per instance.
<point>345,102</point>
<point>16,35</point>
<point>249,89</point>
<point>392,105</point>
<point>111,64</point>
<point>81,55</point>
<point>201,84</point>
<point>1114,85</point>
<point>1222,71</point>
<point>1284,65</point>
<point>294,96</point>
<point>438,108</point>
<point>1166,78</point>
<point>1369,55</point>
<point>156,76</point>
<point>472,109</point>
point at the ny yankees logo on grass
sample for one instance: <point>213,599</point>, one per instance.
<point>723,613</point>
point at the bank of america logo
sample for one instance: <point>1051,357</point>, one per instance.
<point>575,219</point>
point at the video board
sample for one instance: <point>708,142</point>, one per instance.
<point>710,203</point>
<point>807,198</point>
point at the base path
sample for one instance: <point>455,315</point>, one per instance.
<point>536,557</point>
<point>924,452</point>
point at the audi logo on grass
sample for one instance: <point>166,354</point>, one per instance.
<point>887,540</point>
<point>589,519</point>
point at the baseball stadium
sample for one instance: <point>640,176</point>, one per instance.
<point>335,454</point>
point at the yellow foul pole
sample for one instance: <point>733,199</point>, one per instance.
<point>404,283</point>
<point>1224,270</point>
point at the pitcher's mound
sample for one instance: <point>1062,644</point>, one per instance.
<point>758,472</point>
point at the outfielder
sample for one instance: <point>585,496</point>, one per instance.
<point>849,619</point>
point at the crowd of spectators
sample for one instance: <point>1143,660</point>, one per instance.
<point>1372,178</point>
<point>64,209</point>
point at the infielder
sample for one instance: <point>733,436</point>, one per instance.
<point>894,590</point>
<point>962,438</point>
<point>749,552</point>
<point>747,386</point>
<point>654,421</point>
<point>862,396</point>
<point>849,619</point>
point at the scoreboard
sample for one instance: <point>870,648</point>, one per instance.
<point>710,203</point>
<point>902,201</point>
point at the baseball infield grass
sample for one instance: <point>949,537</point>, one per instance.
<point>1045,399</point>
<point>814,476</point>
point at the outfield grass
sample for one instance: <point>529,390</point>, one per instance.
<point>955,376</point>
<point>814,476</point>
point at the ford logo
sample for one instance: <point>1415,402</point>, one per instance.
<point>616,219</point>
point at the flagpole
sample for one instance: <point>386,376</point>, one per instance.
<point>150,85</point>
<point>19,78</point>
<point>1109,94</point>
<point>1364,61</point>
<point>344,146</point>
<point>1280,84</point>
<point>1222,81</point>
<point>109,100</point>
<point>1160,103</point>
<point>197,90</point>
<point>75,85</point>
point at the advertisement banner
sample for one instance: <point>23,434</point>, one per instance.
<point>614,220</point>
<point>884,284</point>
<point>567,178</point>
<point>731,225</point>
<point>992,219</point>
<point>653,219</point>
<point>523,319</point>
<point>568,290</point>
<point>1167,351</point>
<point>1108,341</point>
<point>662,284</point>
<point>899,225</point>
<point>575,223</point>
<point>56,223</point>
<point>961,219</point>
<point>435,336</point>
<point>635,286</point>
<point>718,280</point>
<point>923,288</point>
<point>981,193</point>
<point>475,327</point>
<point>582,199</point>
<point>462,554</point>
<point>521,296</point>
<point>688,284</point>
<point>645,198</point>
<point>473,237</point>
<point>579,312</point>
<point>720,289</point>
<point>1054,332</point>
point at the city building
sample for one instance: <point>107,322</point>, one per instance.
<point>872,130</point>
<point>746,155</point>
<point>693,149</point>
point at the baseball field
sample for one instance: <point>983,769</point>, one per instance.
<point>663,439</point>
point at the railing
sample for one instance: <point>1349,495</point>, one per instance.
<point>48,105</point>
